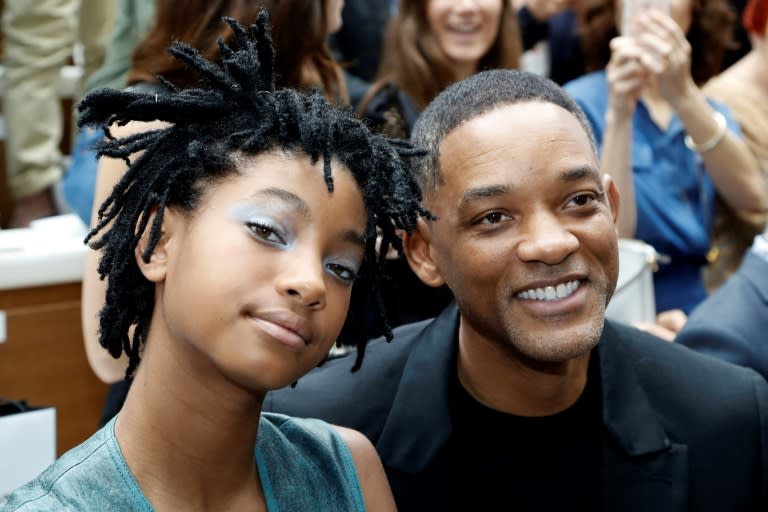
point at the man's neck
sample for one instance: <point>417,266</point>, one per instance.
<point>501,378</point>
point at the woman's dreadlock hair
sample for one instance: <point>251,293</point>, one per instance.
<point>236,111</point>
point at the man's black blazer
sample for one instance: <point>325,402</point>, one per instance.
<point>681,431</point>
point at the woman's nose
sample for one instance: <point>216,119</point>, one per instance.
<point>305,282</point>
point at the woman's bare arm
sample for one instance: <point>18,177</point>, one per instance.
<point>106,367</point>
<point>373,480</point>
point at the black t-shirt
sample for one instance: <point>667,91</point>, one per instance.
<point>507,462</point>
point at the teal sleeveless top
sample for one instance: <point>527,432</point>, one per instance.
<point>303,465</point>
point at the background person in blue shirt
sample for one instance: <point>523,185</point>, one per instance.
<point>667,147</point>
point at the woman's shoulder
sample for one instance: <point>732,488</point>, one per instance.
<point>292,432</point>
<point>312,437</point>
<point>308,453</point>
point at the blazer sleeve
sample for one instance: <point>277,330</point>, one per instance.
<point>723,342</point>
<point>761,394</point>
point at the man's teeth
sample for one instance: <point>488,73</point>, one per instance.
<point>550,293</point>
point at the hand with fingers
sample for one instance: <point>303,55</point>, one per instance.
<point>664,52</point>
<point>668,324</point>
<point>626,76</point>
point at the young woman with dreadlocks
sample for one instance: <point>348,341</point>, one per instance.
<point>230,248</point>
<point>199,24</point>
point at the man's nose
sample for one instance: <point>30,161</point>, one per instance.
<point>546,239</point>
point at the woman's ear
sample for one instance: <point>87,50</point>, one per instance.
<point>155,267</point>
<point>418,250</point>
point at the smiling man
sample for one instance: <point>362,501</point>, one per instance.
<point>522,396</point>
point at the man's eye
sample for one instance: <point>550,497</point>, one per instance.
<point>492,218</point>
<point>265,232</point>
<point>584,199</point>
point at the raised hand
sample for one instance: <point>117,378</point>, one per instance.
<point>626,75</point>
<point>665,53</point>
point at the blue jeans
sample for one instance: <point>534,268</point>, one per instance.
<point>79,182</point>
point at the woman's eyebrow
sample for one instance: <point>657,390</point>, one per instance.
<point>286,196</point>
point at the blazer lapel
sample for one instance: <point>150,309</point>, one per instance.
<point>641,468</point>
<point>413,442</point>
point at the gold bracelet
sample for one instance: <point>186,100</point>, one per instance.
<point>714,141</point>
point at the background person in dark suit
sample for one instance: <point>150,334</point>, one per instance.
<point>732,324</point>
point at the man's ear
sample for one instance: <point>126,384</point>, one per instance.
<point>155,268</point>
<point>614,198</point>
<point>418,250</point>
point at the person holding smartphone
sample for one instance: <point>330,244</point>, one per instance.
<point>669,149</point>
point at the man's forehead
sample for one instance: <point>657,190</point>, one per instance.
<point>519,113</point>
<point>521,126</point>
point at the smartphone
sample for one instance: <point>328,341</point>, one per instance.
<point>631,8</point>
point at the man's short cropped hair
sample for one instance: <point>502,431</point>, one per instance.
<point>474,96</point>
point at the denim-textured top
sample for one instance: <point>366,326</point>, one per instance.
<point>303,465</point>
<point>674,194</point>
